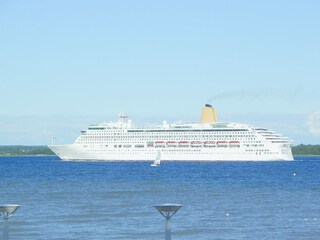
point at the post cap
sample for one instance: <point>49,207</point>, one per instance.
<point>9,208</point>
<point>168,209</point>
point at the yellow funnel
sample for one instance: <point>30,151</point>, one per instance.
<point>208,114</point>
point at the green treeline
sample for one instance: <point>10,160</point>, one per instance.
<point>306,149</point>
<point>44,150</point>
<point>24,150</point>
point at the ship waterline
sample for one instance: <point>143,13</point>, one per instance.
<point>73,152</point>
<point>205,141</point>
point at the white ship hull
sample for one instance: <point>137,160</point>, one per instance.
<point>78,153</point>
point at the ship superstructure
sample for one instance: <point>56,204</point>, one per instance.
<point>208,140</point>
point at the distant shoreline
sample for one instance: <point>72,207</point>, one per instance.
<point>43,150</point>
<point>24,150</point>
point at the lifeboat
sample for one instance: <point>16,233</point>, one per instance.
<point>171,144</point>
<point>196,144</point>
<point>139,146</point>
<point>222,144</point>
<point>184,144</point>
<point>159,144</point>
<point>209,144</point>
<point>234,144</point>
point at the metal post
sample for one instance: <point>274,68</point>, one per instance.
<point>5,230</point>
<point>167,210</point>
<point>6,211</point>
<point>168,229</point>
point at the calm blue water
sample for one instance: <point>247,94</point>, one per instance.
<point>97,200</point>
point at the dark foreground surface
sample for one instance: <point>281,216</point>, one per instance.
<point>97,200</point>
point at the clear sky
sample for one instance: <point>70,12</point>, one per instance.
<point>66,64</point>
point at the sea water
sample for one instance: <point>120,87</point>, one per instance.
<point>102,200</point>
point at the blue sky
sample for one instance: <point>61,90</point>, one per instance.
<point>66,64</point>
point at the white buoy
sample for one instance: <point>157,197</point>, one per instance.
<point>6,211</point>
<point>168,210</point>
<point>294,174</point>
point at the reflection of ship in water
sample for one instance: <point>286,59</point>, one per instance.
<point>208,140</point>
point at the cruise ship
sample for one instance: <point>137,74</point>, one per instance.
<point>207,140</point>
